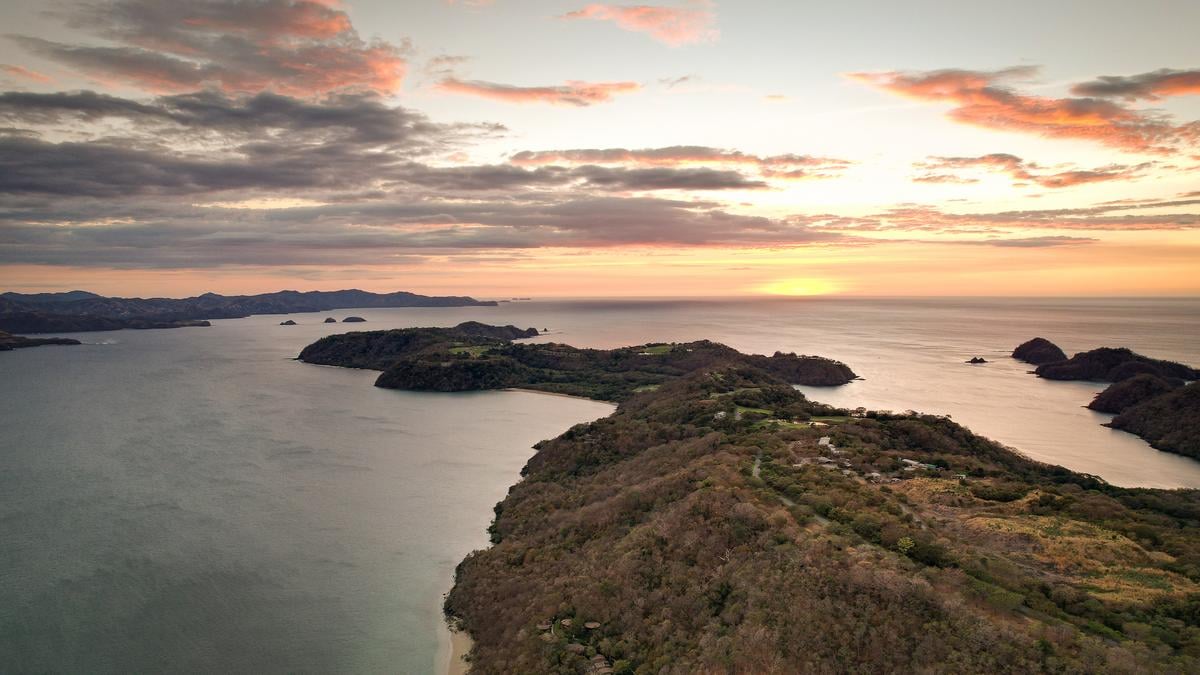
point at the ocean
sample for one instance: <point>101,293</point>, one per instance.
<point>194,500</point>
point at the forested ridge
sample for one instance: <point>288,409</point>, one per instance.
<point>720,522</point>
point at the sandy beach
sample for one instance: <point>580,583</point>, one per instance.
<point>453,659</point>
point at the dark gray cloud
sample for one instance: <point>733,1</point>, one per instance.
<point>297,47</point>
<point>353,118</point>
<point>194,144</point>
<point>364,233</point>
<point>1151,86</point>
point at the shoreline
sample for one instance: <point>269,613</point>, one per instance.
<point>452,658</point>
<point>554,393</point>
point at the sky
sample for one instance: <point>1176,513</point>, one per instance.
<point>572,149</point>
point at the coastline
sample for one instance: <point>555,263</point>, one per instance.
<point>552,393</point>
<point>453,659</point>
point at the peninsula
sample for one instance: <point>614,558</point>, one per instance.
<point>719,521</point>
<point>1147,395</point>
<point>80,311</point>
<point>10,342</point>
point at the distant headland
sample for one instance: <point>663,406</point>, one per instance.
<point>1150,397</point>
<point>474,356</point>
<point>81,311</point>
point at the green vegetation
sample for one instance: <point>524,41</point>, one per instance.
<point>679,536</point>
<point>652,523</point>
<point>1169,421</point>
<point>471,357</point>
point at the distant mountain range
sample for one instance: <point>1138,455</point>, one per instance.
<point>78,311</point>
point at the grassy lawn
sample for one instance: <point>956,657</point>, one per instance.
<point>476,350</point>
<point>657,349</point>
<point>830,419</point>
<point>782,424</point>
<point>760,411</point>
<point>646,387</point>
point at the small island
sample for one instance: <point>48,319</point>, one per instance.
<point>354,319</point>
<point>1039,351</point>
<point>473,356</point>
<point>330,319</point>
<point>720,521</point>
<point>289,322</point>
<point>9,342</point>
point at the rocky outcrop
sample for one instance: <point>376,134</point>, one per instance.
<point>354,319</point>
<point>1039,351</point>
<point>289,322</point>
<point>1130,392</point>
<point>1108,364</point>
<point>9,342</point>
<point>977,360</point>
<point>330,319</point>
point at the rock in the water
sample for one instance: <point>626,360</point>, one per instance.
<point>330,319</point>
<point>289,322</point>
<point>1039,351</point>
<point>978,359</point>
<point>354,319</point>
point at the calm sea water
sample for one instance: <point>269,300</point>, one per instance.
<point>192,500</point>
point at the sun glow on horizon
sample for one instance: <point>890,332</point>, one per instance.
<point>800,287</point>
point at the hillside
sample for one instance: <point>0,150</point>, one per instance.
<point>78,311</point>
<point>1169,421</point>
<point>719,521</point>
<point>679,536</point>
<point>1108,364</point>
<point>473,356</point>
<point>1127,393</point>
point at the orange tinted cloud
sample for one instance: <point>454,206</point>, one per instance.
<point>1151,86</point>
<point>296,47</point>
<point>1107,217</point>
<point>977,99</point>
<point>674,26</point>
<point>1020,170</point>
<point>574,92</point>
<point>24,73</point>
<point>774,166</point>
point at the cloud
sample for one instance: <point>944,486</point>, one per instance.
<point>301,48</point>
<point>1030,242</point>
<point>23,73</point>
<point>192,237</point>
<point>676,26</point>
<point>1022,171</point>
<point>1112,217</point>
<point>361,119</point>
<point>978,98</point>
<point>775,166</point>
<point>574,93</point>
<point>1150,86</point>
<point>193,144</point>
<point>672,82</point>
<point>202,143</point>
